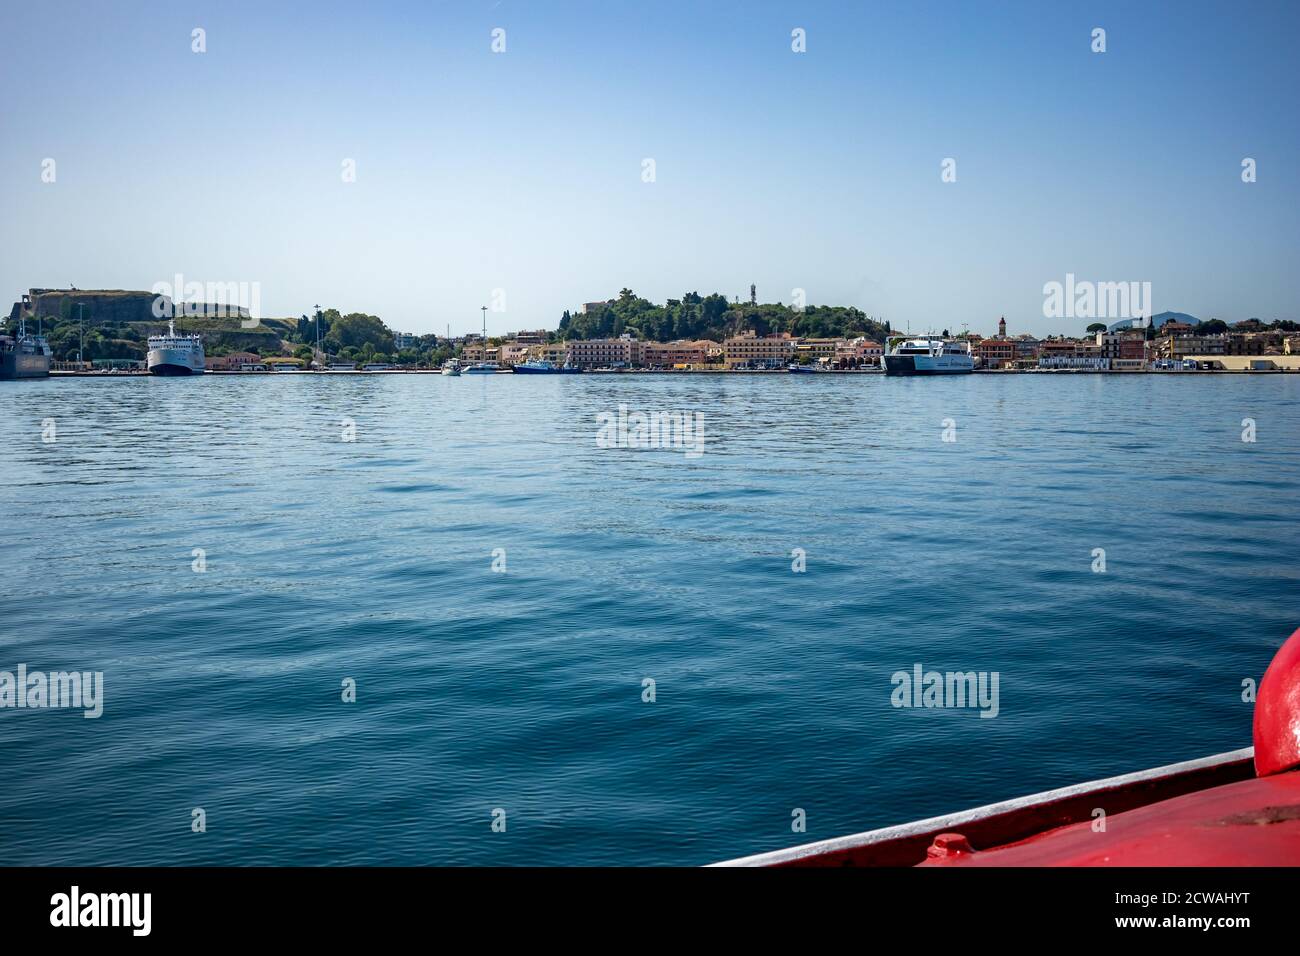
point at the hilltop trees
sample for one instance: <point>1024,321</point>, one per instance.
<point>711,317</point>
<point>356,330</point>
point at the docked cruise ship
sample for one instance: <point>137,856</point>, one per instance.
<point>928,356</point>
<point>174,354</point>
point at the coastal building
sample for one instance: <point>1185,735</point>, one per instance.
<point>1255,343</point>
<point>1062,348</point>
<point>681,352</point>
<point>477,351</point>
<point>404,340</point>
<point>1123,348</point>
<point>595,306</point>
<point>996,353</point>
<point>851,350</point>
<point>1027,348</point>
<point>749,350</point>
<point>816,349</point>
<point>1249,363</point>
<point>535,337</point>
<point>1094,363</point>
<point>1184,345</point>
<point>233,362</point>
<point>512,353</point>
<point>855,353</point>
<point>557,353</point>
<point>624,351</point>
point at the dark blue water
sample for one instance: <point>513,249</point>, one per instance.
<point>522,690</point>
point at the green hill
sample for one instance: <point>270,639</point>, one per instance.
<point>712,317</point>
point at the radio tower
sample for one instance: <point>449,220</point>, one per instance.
<point>753,294</point>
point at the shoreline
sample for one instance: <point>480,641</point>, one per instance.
<point>698,371</point>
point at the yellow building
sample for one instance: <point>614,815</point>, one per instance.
<point>1247,363</point>
<point>749,349</point>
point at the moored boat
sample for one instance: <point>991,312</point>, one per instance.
<point>24,356</point>
<point>175,354</point>
<point>451,367</point>
<point>928,356</point>
<point>544,367</point>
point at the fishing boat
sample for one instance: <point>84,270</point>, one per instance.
<point>24,356</point>
<point>928,356</point>
<point>1240,808</point>
<point>544,367</point>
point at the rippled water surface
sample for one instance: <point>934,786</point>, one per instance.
<point>372,560</point>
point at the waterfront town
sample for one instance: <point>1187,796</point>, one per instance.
<point>1127,348</point>
<point>91,331</point>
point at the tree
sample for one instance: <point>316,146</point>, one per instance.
<point>1096,327</point>
<point>358,330</point>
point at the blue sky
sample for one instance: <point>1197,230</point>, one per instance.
<point>522,170</point>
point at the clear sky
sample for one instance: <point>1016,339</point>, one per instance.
<point>523,170</point>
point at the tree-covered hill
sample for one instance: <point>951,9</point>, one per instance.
<point>712,317</point>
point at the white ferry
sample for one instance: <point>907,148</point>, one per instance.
<point>928,356</point>
<point>174,354</point>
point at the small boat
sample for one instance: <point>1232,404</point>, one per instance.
<point>451,367</point>
<point>800,369</point>
<point>543,367</point>
<point>1240,808</point>
<point>483,368</point>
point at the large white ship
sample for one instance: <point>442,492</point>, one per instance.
<point>173,354</point>
<point>928,356</point>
